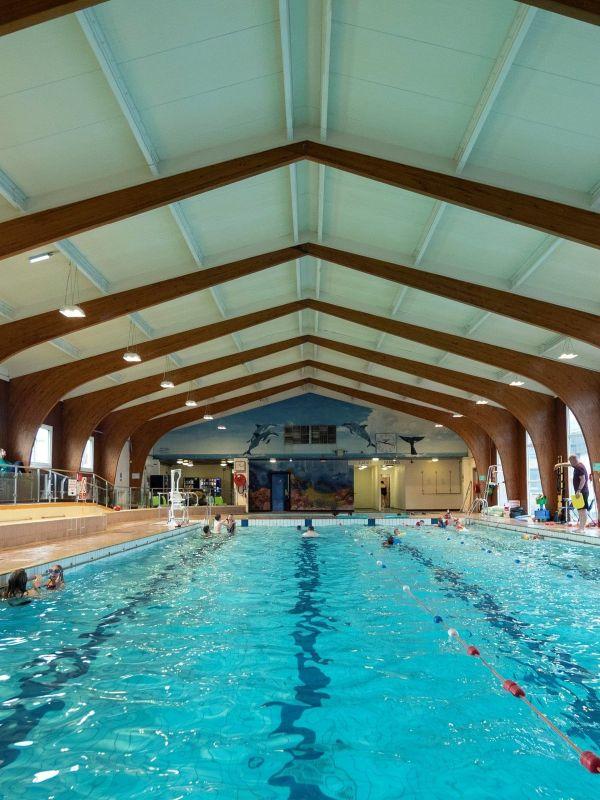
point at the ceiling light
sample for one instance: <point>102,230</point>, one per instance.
<point>272,461</point>
<point>374,458</point>
<point>180,460</point>
<point>72,311</point>
<point>291,459</point>
<point>567,356</point>
<point>208,416</point>
<point>191,403</point>
<point>167,384</point>
<point>481,403</point>
<point>435,459</point>
<point>132,357</point>
<point>40,257</point>
<point>517,383</point>
<point>363,466</point>
<point>457,416</point>
<point>230,460</point>
<point>438,425</point>
<point>221,427</point>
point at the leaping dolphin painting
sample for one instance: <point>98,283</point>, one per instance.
<point>262,433</point>
<point>412,440</point>
<point>359,430</point>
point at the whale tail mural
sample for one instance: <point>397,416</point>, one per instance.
<point>262,433</point>
<point>356,429</point>
<point>412,440</point>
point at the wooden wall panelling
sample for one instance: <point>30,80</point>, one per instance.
<point>83,413</point>
<point>32,396</point>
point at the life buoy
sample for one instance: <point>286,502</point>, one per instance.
<point>239,480</point>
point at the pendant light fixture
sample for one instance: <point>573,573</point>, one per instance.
<point>70,307</point>
<point>166,382</point>
<point>131,355</point>
<point>189,400</point>
<point>207,415</point>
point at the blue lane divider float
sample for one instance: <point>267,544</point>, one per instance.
<point>587,758</point>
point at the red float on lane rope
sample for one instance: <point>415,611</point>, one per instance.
<point>513,688</point>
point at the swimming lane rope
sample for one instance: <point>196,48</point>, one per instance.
<point>587,758</point>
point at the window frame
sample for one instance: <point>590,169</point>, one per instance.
<point>42,464</point>
<point>83,468</point>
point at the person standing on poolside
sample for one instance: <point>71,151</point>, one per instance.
<point>580,485</point>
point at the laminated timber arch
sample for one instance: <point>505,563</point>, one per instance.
<point>147,434</point>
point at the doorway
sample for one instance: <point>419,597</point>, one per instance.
<point>280,491</point>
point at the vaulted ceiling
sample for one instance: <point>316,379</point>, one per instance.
<point>125,92</point>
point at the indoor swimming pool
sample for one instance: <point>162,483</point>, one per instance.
<point>266,665</point>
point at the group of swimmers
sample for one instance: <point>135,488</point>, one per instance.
<point>220,525</point>
<point>448,520</point>
<point>17,593</point>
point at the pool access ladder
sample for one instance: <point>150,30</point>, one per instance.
<point>481,505</point>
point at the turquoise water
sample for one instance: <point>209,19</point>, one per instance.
<point>270,666</point>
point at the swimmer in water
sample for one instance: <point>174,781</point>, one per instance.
<point>310,532</point>
<point>16,592</point>
<point>388,542</point>
<point>441,523</point>
<point>218,524</point>
<point>56,578</point>
<point>206,530</point>
<point>230,523</point>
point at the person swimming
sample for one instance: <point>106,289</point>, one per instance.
<point>310,532</point>
<point>56,578</point>
<point>218,524</point>
<point>389,542</point>
<point>230,523</point>
<point>16,592</point>
<point>441,523</point>
<point>206,530</point>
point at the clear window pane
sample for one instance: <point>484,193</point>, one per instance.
<point>87,460</point>
<point>41,454</point>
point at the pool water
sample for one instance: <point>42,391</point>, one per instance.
<point>270,666</point>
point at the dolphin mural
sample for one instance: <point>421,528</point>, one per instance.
<point>262,433</point>
<point>359,430</point>
<point>412,440</point>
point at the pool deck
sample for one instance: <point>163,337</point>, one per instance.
<point>122,535</point>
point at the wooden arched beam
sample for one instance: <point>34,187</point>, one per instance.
<point>30,331</point>
<point>506,432</point>
<point>18,14</point>
<point>577,387</point>
<point>151,431</point>
<point>583,10</point>
<point>542,416</point>
<point>477,440</point>
<point>81,415</point>
<point>116,428</point>
<point>33,396</point>
<point>15,15</point>
<point>51,225</point>
<point>144,437</point>
<point>570,322</point>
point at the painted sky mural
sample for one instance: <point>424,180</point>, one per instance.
<point>360,431</point>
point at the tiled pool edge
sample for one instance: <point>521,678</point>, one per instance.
<point>542,532</point>
<point>88,556</point>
